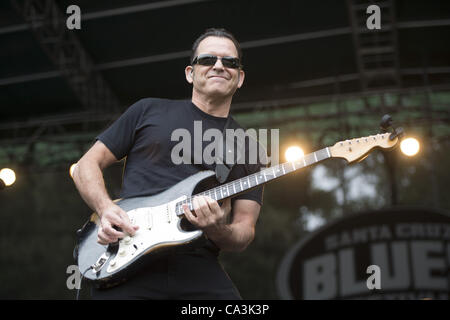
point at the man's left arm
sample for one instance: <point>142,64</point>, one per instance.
<point>213,220</point>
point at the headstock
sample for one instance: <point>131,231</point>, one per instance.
<point>359,148</point>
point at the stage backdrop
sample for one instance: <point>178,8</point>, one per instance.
<point>401,253</point>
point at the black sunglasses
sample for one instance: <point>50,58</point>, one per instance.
<point>210,60</point>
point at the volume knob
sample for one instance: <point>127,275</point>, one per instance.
<point>122,252</point>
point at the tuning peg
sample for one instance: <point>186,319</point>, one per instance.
<point>386,122</point>
<point>397,133</point>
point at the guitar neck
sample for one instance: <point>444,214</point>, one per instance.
<point>260,178</point>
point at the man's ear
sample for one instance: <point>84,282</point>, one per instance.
<point>189,73</point>
<point>241,78</point>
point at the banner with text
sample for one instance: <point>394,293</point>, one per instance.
<point>401,253</point>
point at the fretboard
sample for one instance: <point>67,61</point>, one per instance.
<point>254,180</point>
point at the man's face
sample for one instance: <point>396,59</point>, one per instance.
<point>216,80</point>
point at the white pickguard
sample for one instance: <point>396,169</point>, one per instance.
<point>157,226</point>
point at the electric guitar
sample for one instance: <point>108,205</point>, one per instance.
<point>160,217</point>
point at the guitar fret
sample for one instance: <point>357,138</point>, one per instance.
<point>279,172</point>
<point>322,154</point>
<point>238,185</point>
<point>189,204</point>
<point>309,159</point>
<point>269,173</point>
<point>287,167</point>
<point>260,176</point>
<point>252,184</point>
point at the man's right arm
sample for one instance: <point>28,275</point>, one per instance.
<point>88,178</point>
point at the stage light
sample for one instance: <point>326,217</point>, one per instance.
<point>8,176</point>
<point>293,153</point>
<point>72,169</point>
<point>410,146</point>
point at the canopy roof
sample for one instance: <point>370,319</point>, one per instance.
<point>296,54</point>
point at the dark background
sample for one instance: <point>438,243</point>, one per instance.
<point>313,71</point>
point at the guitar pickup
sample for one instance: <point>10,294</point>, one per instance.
<point>149,220</point>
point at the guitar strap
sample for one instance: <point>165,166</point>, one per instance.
<point>223,165</point>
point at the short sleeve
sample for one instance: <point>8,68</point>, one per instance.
<point>257,193</point>
<point>250,167</point>
<point>119,136</point>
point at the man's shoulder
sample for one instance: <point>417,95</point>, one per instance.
<point>150,106</point>
<point>251,141</point>
<point>249,132</point>
<point>234,124</point>
<point>161,102</point>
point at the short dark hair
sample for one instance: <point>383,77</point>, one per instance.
<point>216,32</point>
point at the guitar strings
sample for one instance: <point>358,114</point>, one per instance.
<point>264,175</point>
<point>242,184</point>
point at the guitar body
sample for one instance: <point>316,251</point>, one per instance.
<point>159,227</point>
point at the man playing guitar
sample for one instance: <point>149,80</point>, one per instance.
<point>143,135</point>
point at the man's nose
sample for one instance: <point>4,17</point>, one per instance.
<point>218,64</point>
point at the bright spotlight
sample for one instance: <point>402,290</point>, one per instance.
<point>8,176</point>
<point>293,153</point>
<point>410,146</point>
<point>72,169</point>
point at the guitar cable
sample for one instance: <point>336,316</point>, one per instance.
<point>81,280</point>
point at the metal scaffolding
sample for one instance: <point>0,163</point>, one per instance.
<point>66,52</point>
<point>376,51</point>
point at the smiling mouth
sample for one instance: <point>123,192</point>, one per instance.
<point>218,77</point>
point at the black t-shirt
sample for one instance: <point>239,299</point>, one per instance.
<point>143,134</point>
